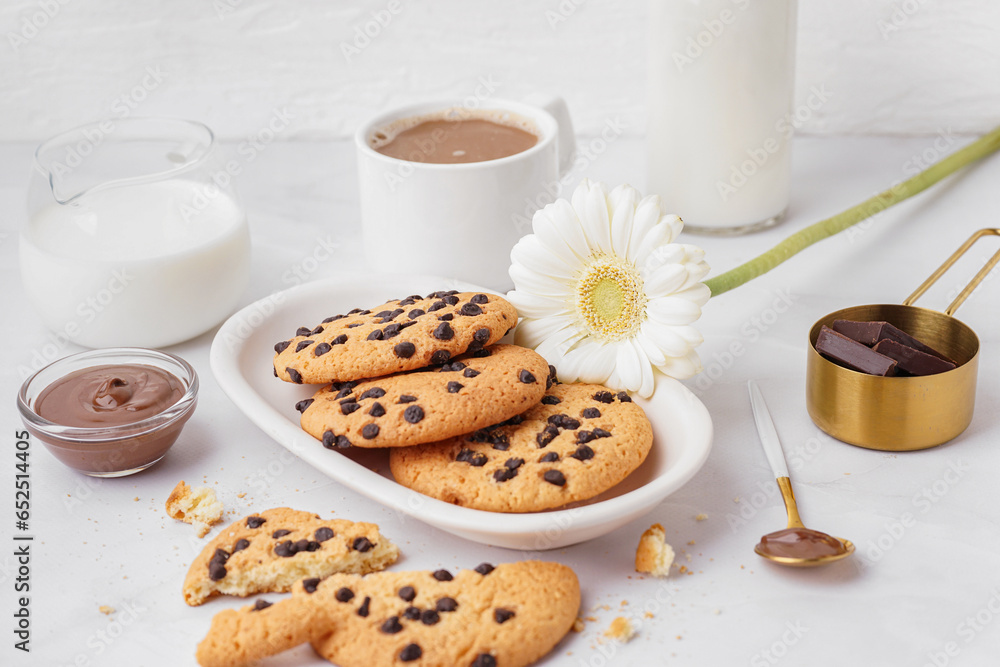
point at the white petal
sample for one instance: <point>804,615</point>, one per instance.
<point>672,310</point>
<point>623,200</point>
<point>535,255</point>
<point>557,346</point>
<point>690,334</point>
<point>697,293</point>
<point>656,237</point>
<point>665,338</point>
<point>676,225</point>
<point>536,282</point>
<point>531,333</point>
<point>650,349</point>
<point>590,361</point>
<point>647,214</point>
<point>535,306</point>
<point>648,381</point>
<point>590,202</point>
<point>662,281</point>
<point>682,367</point>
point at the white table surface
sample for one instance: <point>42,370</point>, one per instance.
<point>923,588</point>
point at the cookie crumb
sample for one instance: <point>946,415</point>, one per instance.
<point>106,610</point>
<point>578,625</point>
<point>241,494</point>
<point>654,556</point>
<point>136,499</point>
<point>701,517</point>
<point>649,614</point>
<point>620,630</point>
<point>198,506</point>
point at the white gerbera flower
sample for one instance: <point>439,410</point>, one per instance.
<point>605,294</point>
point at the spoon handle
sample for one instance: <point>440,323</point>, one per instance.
<point>765,429</point>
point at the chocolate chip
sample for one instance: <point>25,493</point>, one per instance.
<point>470,372</point>
<point>499,441</point>
<point>216,570</point>
<point>564,421</point>
<point>344,595</point>
<point>303,344</point>
<point>549,399</point>
<point>513,421</point>
<point>437,305</point>
<point>453,367</point>
<point>623,397</point>
<point>440,357</point>
<point>373,392</point>
<point>281,532</point>
<point>331,441</point>
<point>430,617</point>
<point>471,457</point>
<point>407,593</point>
<point>414,413</point>
<point>526,377</point>
<point>447,317</point>
<point>501,615</point>
<point>590,413</point>
<point>470,310</point>
<point>547,435</point>
<point>504,474</point>
<point>604,396</point>
<point>241,544</point>
<point>482,435</point>
<point>405,349</point>
<point>446,604</point>
<point>339,340</point>
<point>450,299</point>
<point>376,410</point>
<point>363,609</point>
<point>335,317</point>
<point>554,477</point>
<point>321,349</point>
<point>549,457</point>
<point>482,336</point>
<point>410,653</point>
<point>479,354</point>
<point>317,330</point>
<point>442,575</point>
<point>484,568</point>
<point>285,549</point>
<point>392,625</point>
<point>444,332</point>
<point>303,331</point>
<point>353,311</point>
<point>391,331</point>
<point>393,315</point>
<point>362,544</point>
<point>583,453</point>
<point>323,533</point>
<point>375,335</point>
<point>383,313</point>
<point>303,405</point>
<point>349,406</point>
<point>415,313</point>
<point>280,347</point>
<point>260,604</point>
<point>309,585</point>
<point>484,660</point>
<point>584,436</point>
<point>480,299</point>
<point>354,324</point>
<point>411,613</point>
<point>369,431</point>
<point>514,463</point>
<point>294,374</point>
<point>255,521</point>
<point>343,388</point>
<point>454,387</point>
<point>601,433</point>
<point>406,398</point>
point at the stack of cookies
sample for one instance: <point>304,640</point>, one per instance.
<point>467,420</point>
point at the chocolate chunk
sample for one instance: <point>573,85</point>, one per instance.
<point>444,332</point>
<point>851,354</point>
<point>484,568</point>
<point>870,333</point>
<point>480,299</point>
<point>549,457</point>
<point>554,477</point>
<point>440,357</point>
<point>470,372</point>
<point>411,613</point>
<point>514,463</point>
<point>404,350</point>
<point>484,660</point>
<point>406,398</point>
<point>547,435</point>
<point>604,396</point>
<point>260,604</point>
<point>583,453</point>
<point>375,335</point>
<point>333,318</point>
<point>526,377</point>
<point>303,331</point>
<point>363,609</point>
<point>310,585</point>
<point>501,615</point>
<point>442,575</point>
<point>362,544</point>
<point>376,410</point>
<point>281,532</point>
<point>344,595</point>
<point>584,436</point>
<point>437,305</point>
<point>339,340</point>
<point>454,387</point>
<point>303,344</point>
<point>413,413</point>
<point>349,406</point>
<point>504,474</point>
<point>590,413</point>
<point>285,549</point>
<point>624,397</point>
<point>303,405</point>
<point>407,593</point>
<point>429,617</point>
<point>415,313</point>
<point>549,399</point>
<point>912,361</point>
<point>323,533</point>
<point>447,317</point>
<point>446,604</point>
<point>369,431</point>
<point>255,521</point>
<point>601,433</point>
<point>410,653</point>
<point>241,544</point>
<point>391,625</point>
<point>294,374</point>
<point>280,347</point>
<point>317,330</point>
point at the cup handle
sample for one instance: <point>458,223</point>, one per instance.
<point>565,139</point>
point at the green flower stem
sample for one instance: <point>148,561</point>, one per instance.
<point>804,238</point>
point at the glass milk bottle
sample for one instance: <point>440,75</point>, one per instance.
<point>721,75</point>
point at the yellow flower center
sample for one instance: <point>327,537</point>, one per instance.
<point>610,297</point>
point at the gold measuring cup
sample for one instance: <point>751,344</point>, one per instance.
<point>901,413</point>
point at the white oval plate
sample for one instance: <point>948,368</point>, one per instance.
<point>241,360</point>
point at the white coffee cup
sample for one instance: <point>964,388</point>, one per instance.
<point>459,220</point>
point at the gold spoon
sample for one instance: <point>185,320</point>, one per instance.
<point>796,546</point>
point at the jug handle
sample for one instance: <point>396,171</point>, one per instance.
<point>565,138</point>
<point>964,294</point>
